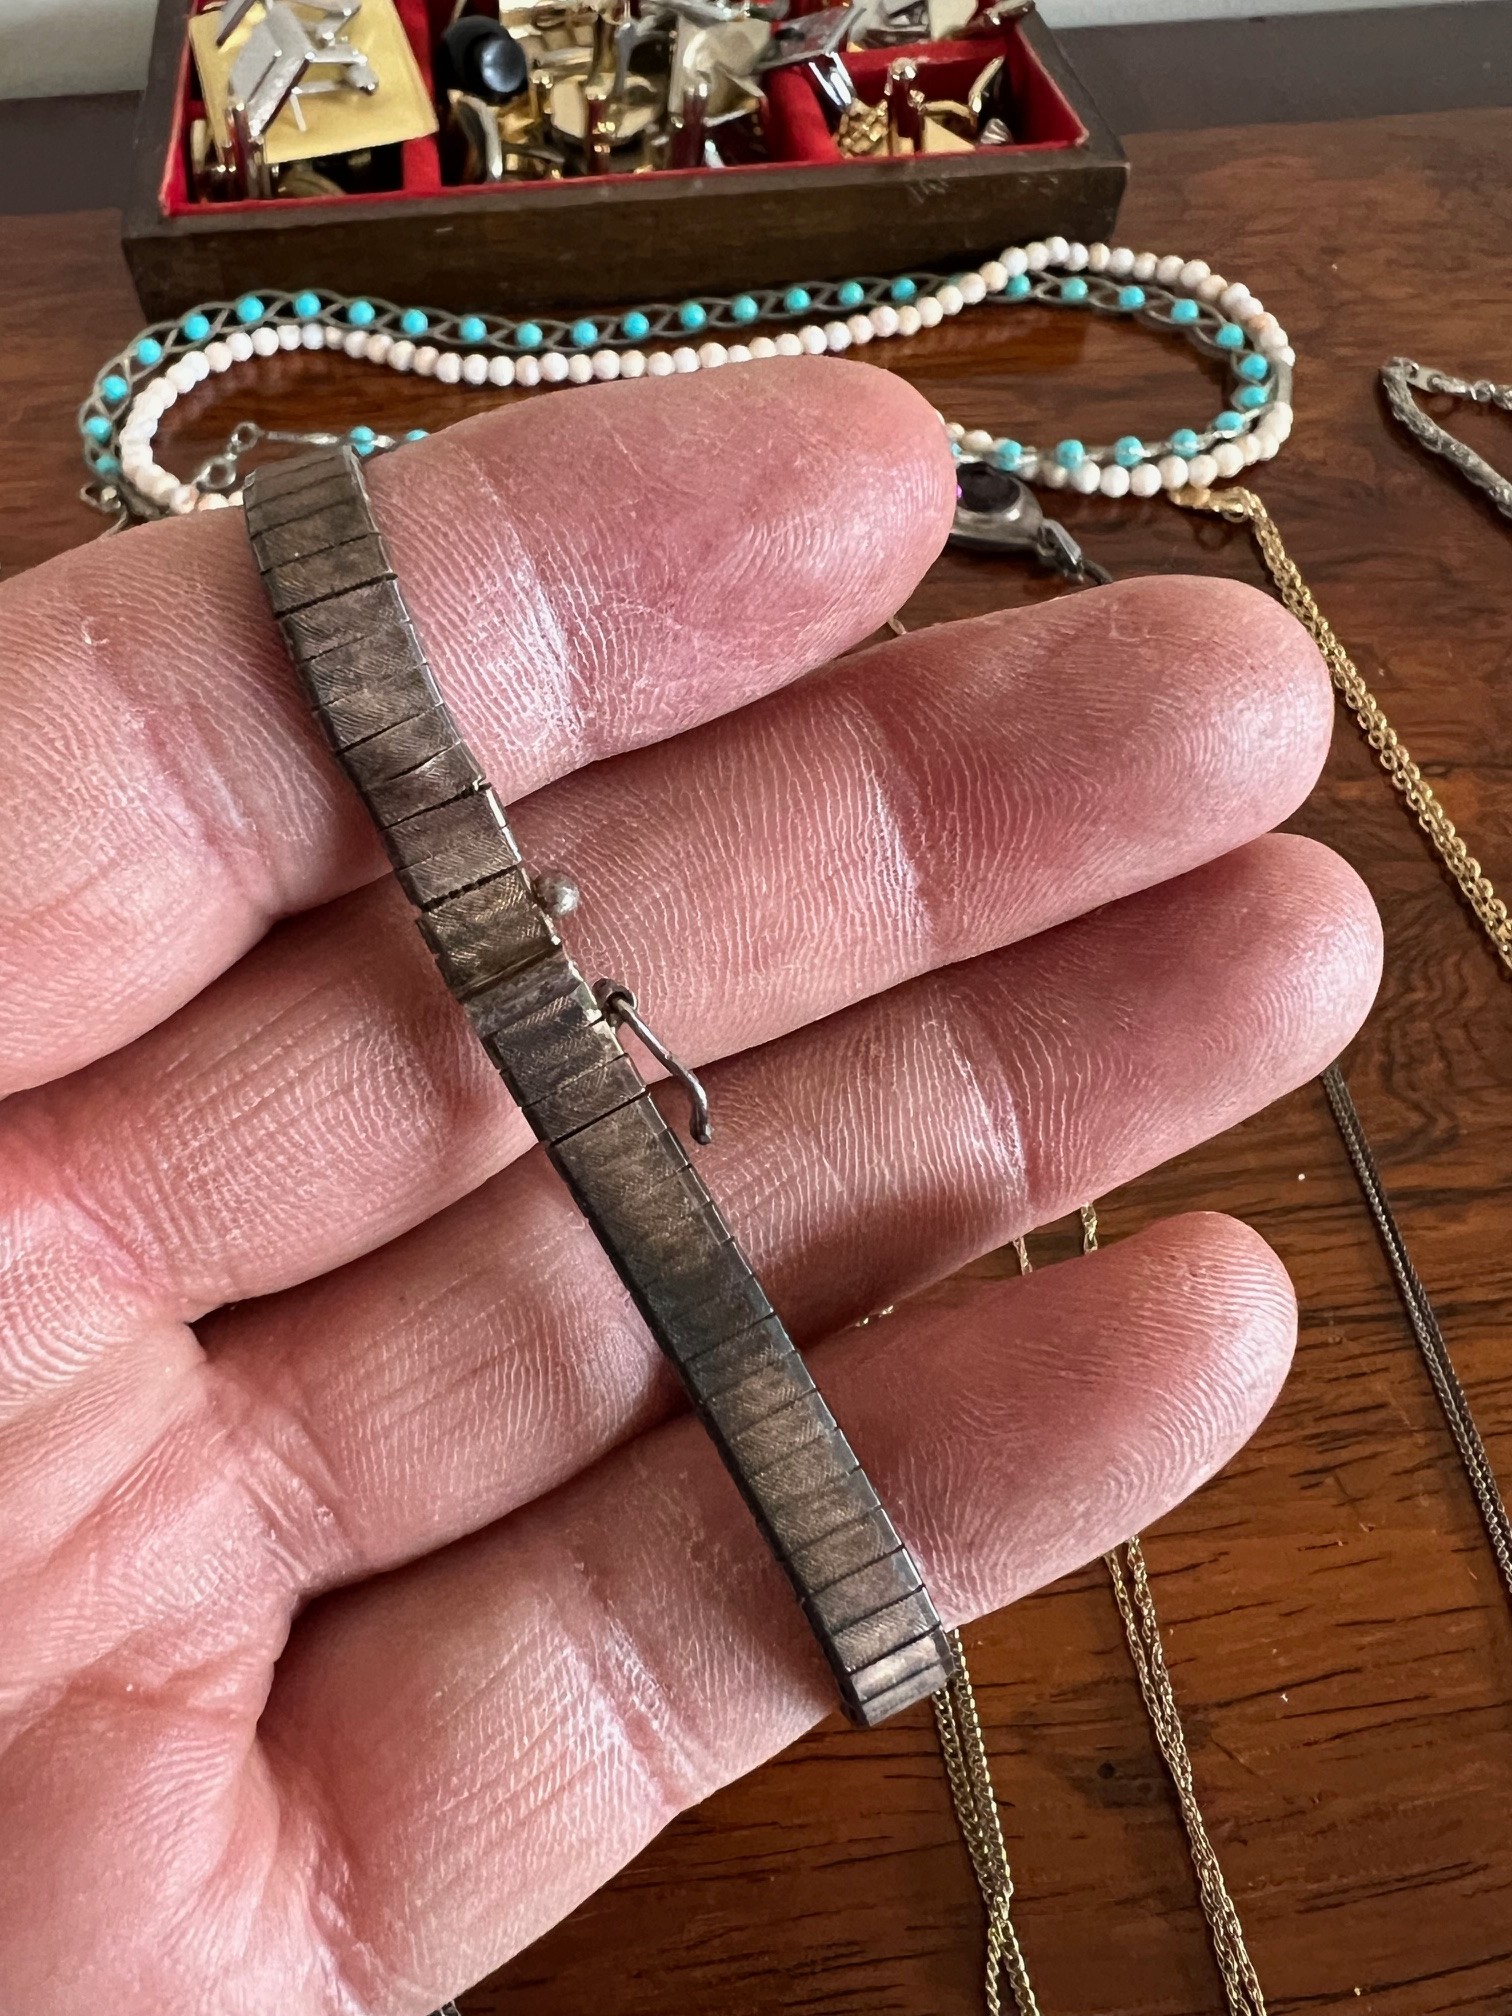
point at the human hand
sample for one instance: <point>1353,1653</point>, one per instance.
<point>967,928</point>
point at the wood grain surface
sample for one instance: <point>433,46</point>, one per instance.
<point>1335,1629</point>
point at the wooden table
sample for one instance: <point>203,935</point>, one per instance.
<point>1337,1635</point>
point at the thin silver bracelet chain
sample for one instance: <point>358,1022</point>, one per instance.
<point>1402,377</point>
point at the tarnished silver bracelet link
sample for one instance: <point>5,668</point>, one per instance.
<point>555,1041</point>
<point>1402,377</point>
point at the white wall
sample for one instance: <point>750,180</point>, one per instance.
<point>52,46</point>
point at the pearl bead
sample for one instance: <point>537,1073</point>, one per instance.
<point>553,368</point>
<point>159,484</point>
<point>290,336</point>
<point>684,359</point>
<point>1237,301</point>
<point>1015,261</point>
<point>1086,477</point>
<point>606,364</point>
<point>1145,480</point>
<point>401,355</point>
<point>1120,261</point>
<point>789,344</point>
<point>183,497</point>
<point>448,368</point>
<point>180,377</point>
<point>910,320</point>
<point>265,341</point>
<point>579,369</point>
<point>660,364</point>
<point>1210,288</point>
<point>354,342</point>
<point>219,356</point>
<point>378,345</point>
<point>1278,420</point>
<point>977,441</point>
<point>1251,449</point>
<point>501,371</point>
<point>1202,470</point>
<point>311,336</point>
<point>994,276</point>
<point>333,338</point>
<point>1075,257</point>
<point>632,364</point>
<point>931,314</point>
<point>212,500</point>
<point>884,321</point>
<point>1036,257</point>
<point>1174,472</point>
<point>712,355</point>
<point>164,393</point>
<point>1098,256</point>
<point>1193,273</point>
<point>1265,445</point>
<point>861,330</point>
<point>763,347</point>
<point>954,431</point>
<point>1168,269</point>
<point>1056,251</point>
<point>973,288</point>
<point>1143,267</point>
<point>1113,481</point>
<point>812,341</point>
<point>425,360</point>
<point>475,368</point>
<point>950,298</point>
<point>527,371</point>
<point>1228,458</point>
<point>1053,476</point>
<point>739,353</point>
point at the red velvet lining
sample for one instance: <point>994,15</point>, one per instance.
<point>794,123</point>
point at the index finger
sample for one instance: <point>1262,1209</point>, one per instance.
<point>588,575</point>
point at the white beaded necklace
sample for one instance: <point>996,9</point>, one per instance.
<point>1223,320</point>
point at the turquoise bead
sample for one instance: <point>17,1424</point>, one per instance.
<point>307,306</point>
<point>359,313</point>
<point>148,352</point>
<point>743,308</point>
<point>472,329</point>
<point>250,309</point>
<point>360,435</point>
<point>417,434</point>
<point>1006,455</point>
<point>1073,288</point>
<point>1128,451</point>
<point>584,334</point>
<point>1185,443</point>
<point>98,428</point>
<point>1070,454</point>
<point>1229,337</point>
<point>1130,298</point>
<point>1254,366</point>
<point>636,325</point>
<point>1228,423</point>
<point>904,290</point>
<point>692,315</point>
<point>797,300</point>
<point>363,447</point>
<point>1184,310</point>
<point>196,328</point>
<point>851,294</point>
<point>1018,287</point>
<point>106,465</point>
<point>414,321</point>
<point>529,336</point>
<point>1251,396</point>
<point>114,389</point>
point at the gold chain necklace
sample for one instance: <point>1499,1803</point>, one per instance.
<point>962,1742</point>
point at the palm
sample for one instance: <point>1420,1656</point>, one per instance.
<point>368,1598</point>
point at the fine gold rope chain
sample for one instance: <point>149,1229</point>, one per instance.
<point>962,1742</point>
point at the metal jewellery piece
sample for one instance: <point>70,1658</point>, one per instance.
<point>555,1042</point>
<point>1401,377</point>
<point>620,1007</point>
<point>997,513</point>
<point>272,67</point>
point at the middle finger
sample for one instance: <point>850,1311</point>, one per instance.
<point>910,807</point>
